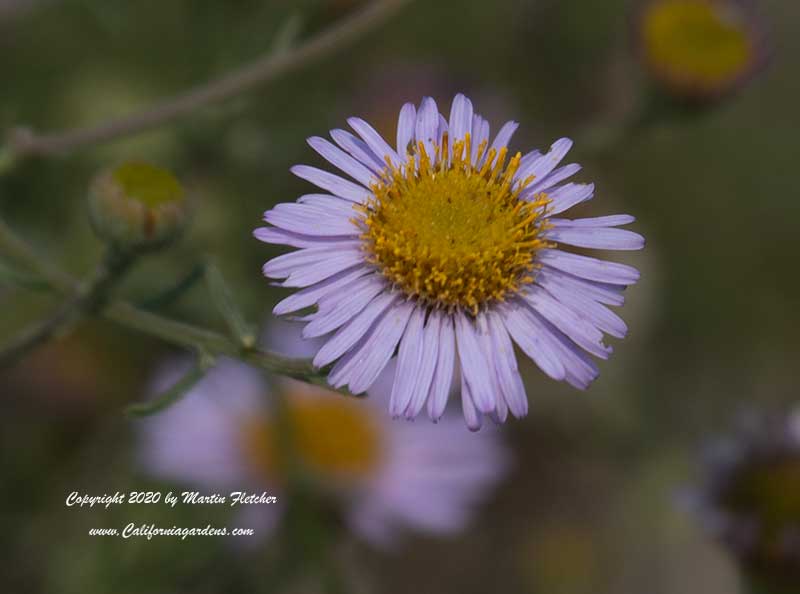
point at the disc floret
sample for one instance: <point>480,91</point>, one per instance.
<point>452,232</point>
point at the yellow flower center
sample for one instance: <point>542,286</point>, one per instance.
<point>334,438</point>
<point>454,235</point>
<point>697,40</point>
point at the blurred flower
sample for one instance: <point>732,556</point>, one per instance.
<point>137,205</point>
<point>750,498</point>
<point>224,435</point>
<point>700,49</point>
<point>450,253</point>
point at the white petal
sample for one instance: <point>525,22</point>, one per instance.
<point>343,306</point>
<point>607,221</point>
<point>406,124</point>
<point>480,134</point>
<point>567,196</point>
<point>600,238</point>
<point>503,138</point>
<point>362,369</point>
<point>471,415</point>
<point>409,361</point>
<point>610,294</point>
<point>430,352</point>
<point>374,141</point>
<point>285,265</point>
<point>530,335</point>
<point>336,156</point>
<point>311,220</point>
<point>552,179</point>
<point>585,307</point>
<point>359,149</point>
<point>562,317</point>
<point>278,236</point>
<point>311,295</point>
<point>428,125</point>
<point>333,183</point>
<point>505,363</point>
<point>443,376</point>
<point>544,164</point>
<point>589,268</point>
<point>473,363</point>
<point>353,331</point>
<point>460,118</point>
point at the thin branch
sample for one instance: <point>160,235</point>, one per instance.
<point>18,249</point>
<point>38,334</point>
<point>23,142</point>
<point>214,343</point>
<point>175,392</point>
<point>222,298</point>
<point>174,332</point>
<point>86,301</point>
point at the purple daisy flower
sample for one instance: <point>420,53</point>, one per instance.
<point>446,249</point>
<point>388,478</point>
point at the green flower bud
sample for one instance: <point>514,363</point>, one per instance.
<point>137,206</point>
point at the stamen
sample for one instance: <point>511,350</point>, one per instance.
<point>453,234</point>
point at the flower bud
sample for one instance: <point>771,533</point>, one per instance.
<point>137,206</point>
<point>697,51</point>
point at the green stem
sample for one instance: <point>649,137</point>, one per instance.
<point>222,296</point>
<point>176,392</point>
<point>23,142</point>
<point>171,294</point>
<point>85,302</point>
<point>189,336</point>
<point>18,249</point>
<point>174,332</point>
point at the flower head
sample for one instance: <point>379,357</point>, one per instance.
<point>700,49</point>
<point>386,476</point>
<point>448,248</point>
<point>750,499</point>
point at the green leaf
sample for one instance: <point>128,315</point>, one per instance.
<point>176,392</point>
<point>223,300</point>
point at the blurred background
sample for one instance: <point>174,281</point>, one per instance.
<point>591,503</point>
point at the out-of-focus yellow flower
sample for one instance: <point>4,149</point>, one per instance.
<point>699,49</point>
<point>335,438</point>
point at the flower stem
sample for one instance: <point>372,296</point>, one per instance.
<point>176,392</point>
<point>23,142</point>
<point>189,336</point>
<point>223,300</point>
<point>126,314</point>
<point>17,248</point>
<point>86,301</point>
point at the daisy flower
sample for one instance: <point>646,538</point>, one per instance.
<point>387,476</point>
<point>700,49</point>
<point>447,249</point>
